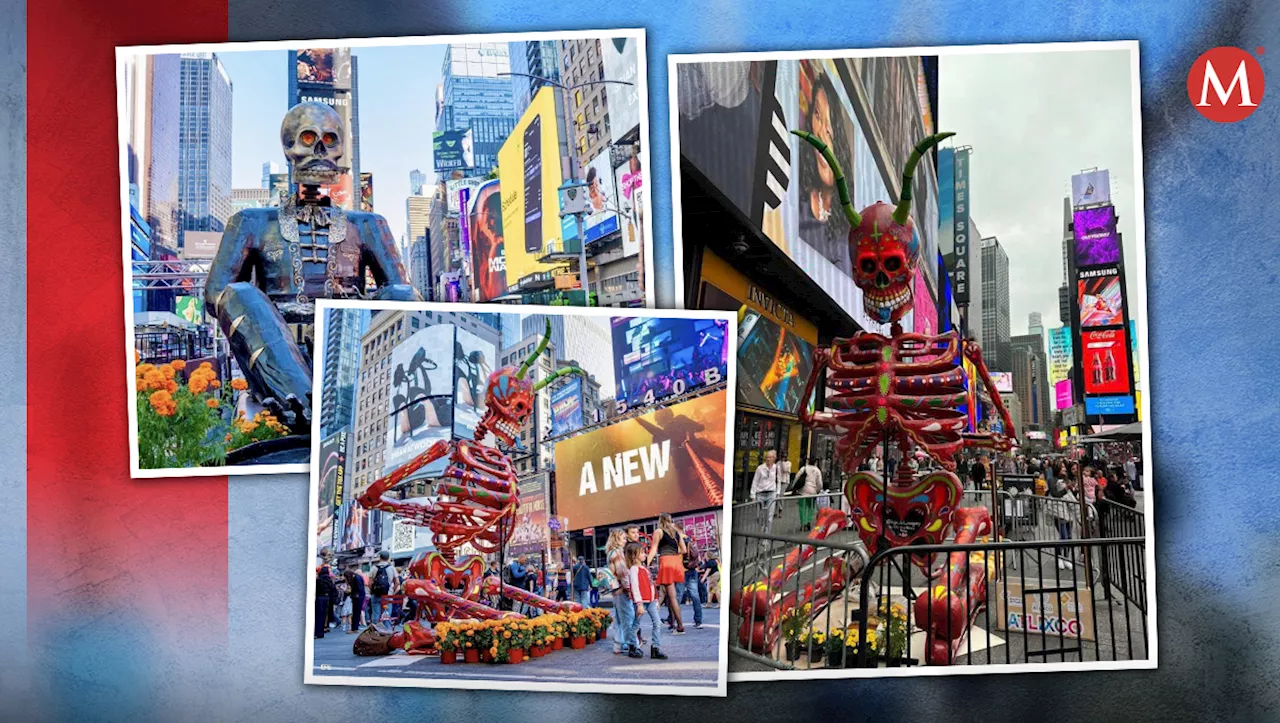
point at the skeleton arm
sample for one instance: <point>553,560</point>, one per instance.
<point>373,498</point>
<point>232,263</point>
<point>383,260</point>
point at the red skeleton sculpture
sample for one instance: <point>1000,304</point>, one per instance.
<point>907,387</point>
<point>477,502</point>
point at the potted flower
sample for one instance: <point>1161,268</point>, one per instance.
<point>506,646</point>
<point>470,644</point>
<point>605,620</point>
<point>793,624</point>
<point>853,644</point>
<point>891,635</point>
<point>580,627</point>
<point>816,642</point>
<point>448,641</point>
<point>484,640</point>
<point>835,648</point>
<point>559,631</point>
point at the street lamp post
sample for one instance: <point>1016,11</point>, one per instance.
<point>573,174</point>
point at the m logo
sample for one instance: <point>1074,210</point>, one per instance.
<point>1225,84</point>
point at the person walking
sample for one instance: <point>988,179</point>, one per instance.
<point>582,583</point>
<point>326,592</point>
<point>711,578</point>
<point>692,562</point>
<point>516,573</point>
<point>643,596</point>
<point>385,583</point>
<point>344,607</point>
<point>764,490</point>
<point>669,547</point>
<point>624,609</point>
<point>810,487</point>
<point>355,582</point>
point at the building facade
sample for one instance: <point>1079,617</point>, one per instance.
<point>242,198</point>
<point>152,88</point>
<point>417,181</point>
<point>588,107</point>
<point>995,305</point>
<point>204,145</point>
<point>341,365</point>
<point>1030,367</point>
<point>538,58</point>
<point>537,457</point>
<point>476,94</point>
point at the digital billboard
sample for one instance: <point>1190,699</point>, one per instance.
<point>630,177</point>
<point>1091,187</point>
<point>703,529</point>
<point>530,157</point>
<point>1096,240</point>
<point>669,460</point>
<point>1105,361</point>
<point>318,66</point>
<point>452,150</point>
<point>1062,397</point>
<point>333,459</point>
<point>924,312</point>
<point>656,357</point>
<point>488,255</point>
<point>366,192</point>
<point>530,535</point>
<point>453,189</point>
<point>473,360</point>
<point>420,400</point>
<point>601,218</point>
<point>566,407</point>
<point>1099,298</point>
<point>1115,405</point>
<point>190,309</point>
<point>620,58</point>
<point>1003,381</point>
<point>1060,354</point>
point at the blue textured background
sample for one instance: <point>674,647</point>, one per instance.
<point>1213,315</point>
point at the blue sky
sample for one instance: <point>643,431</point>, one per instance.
<point>397,88</point>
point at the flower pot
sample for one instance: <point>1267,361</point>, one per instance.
<point>536,651</point>
<point>604,633</point>
<point>515,655</point>
<point>793,650</point>
<point>577,642</point>
<point>557,644</point>
<point>471,656</point>
<point>448,657</point>
<point>486,656</point>
<point>815,655</point>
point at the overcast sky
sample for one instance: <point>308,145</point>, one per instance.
<point>1033,120</point>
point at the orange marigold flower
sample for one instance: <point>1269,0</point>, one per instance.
<point>162,402</point>
<point>215,384</point>
<point>197,384</point>
<point>206,365</point>
<point>152,380</point>
<point>137,356</point>
<point>211,403</point>
<point>228,438</point>
<point>168,371</point>
<point>171,386</point>
<point>239,385</point>
<point>142,369</point>
<point>179,364</point>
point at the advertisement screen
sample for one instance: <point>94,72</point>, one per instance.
<point>366,192</point>
<point>601,218</point>
<point>488,259</point>
<point>1003,381</point>
<point>1062,394</point>
<point>530,202</point>
<point>773,364</point>
<point>621,62</point>
<point>1133,350</point>
<point>316,65</point>
<point>333,459</point>
<point>1090,188</point>
<point>1105,360</point>
<point>703,529</point>
<point>420,406</point>
<point>1060,354</point>
<point>1099,298</point>
<point>453,191</point>
<point>630,179</point>
<point>924,311</point>
<point>1096,239</point>
<point>566,407</point>
<point>1101,406</point>
<point>657,357</point>
<point>668,460</point>
<point>529,537</point>
<point>452,150</point>
<point>473,360</point>
<point>279,185</point>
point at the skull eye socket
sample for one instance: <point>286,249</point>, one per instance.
<point>329,139</point>
<point>308,138</point>
<point>868,266</point>
<point>893,263</point>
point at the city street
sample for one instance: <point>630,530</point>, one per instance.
<point>694,660</point>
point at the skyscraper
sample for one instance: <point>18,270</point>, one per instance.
<point>343,330</point>
<point>1030,367</point>
<point>532,58</point>
<point>417,180</point>
<point>269,168</point>
<point>1035,324</point>
<point>995,304</point>
<point>420,264</point>
<point>204,144</point>
<point>151,90</point>
<point>581,62</point>
<point>476,94</point>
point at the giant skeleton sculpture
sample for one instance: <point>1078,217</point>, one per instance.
<point>904,388</point>
<point>477,499</point>
<point>273,263</point>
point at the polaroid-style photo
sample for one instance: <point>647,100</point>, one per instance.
<point>259,178</point>
<point>937,257</point>
<point>521,498</point>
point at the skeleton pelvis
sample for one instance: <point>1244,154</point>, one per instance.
<point>454,577</point>
<point>916,513</point>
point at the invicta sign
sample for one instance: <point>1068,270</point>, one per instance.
<point>1226,84</point>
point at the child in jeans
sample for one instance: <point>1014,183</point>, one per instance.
<point>642,592</point>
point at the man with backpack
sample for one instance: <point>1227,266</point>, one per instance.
<point>385,582</point>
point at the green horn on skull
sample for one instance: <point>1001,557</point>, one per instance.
<point>566,371</point>
<point>845,204</point>
<point>903,209</point>
<point>542,346</point>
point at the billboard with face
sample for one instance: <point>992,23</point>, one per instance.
<point>420,401</point>
<point>656,358</point>
<point>1099,298</point>
<point>452,150</point>
<point>1096,240</point>
<point>473,360</point>
<point>488,255</point>
<point>668,460</point>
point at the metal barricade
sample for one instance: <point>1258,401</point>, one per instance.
<point>1121,569</point>
<point>792,514</point>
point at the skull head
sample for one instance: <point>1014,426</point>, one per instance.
<point>508,400</point>
<point>885,254</point>
<point>312,136</point>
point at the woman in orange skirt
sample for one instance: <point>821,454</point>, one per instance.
<point>669,547</point>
